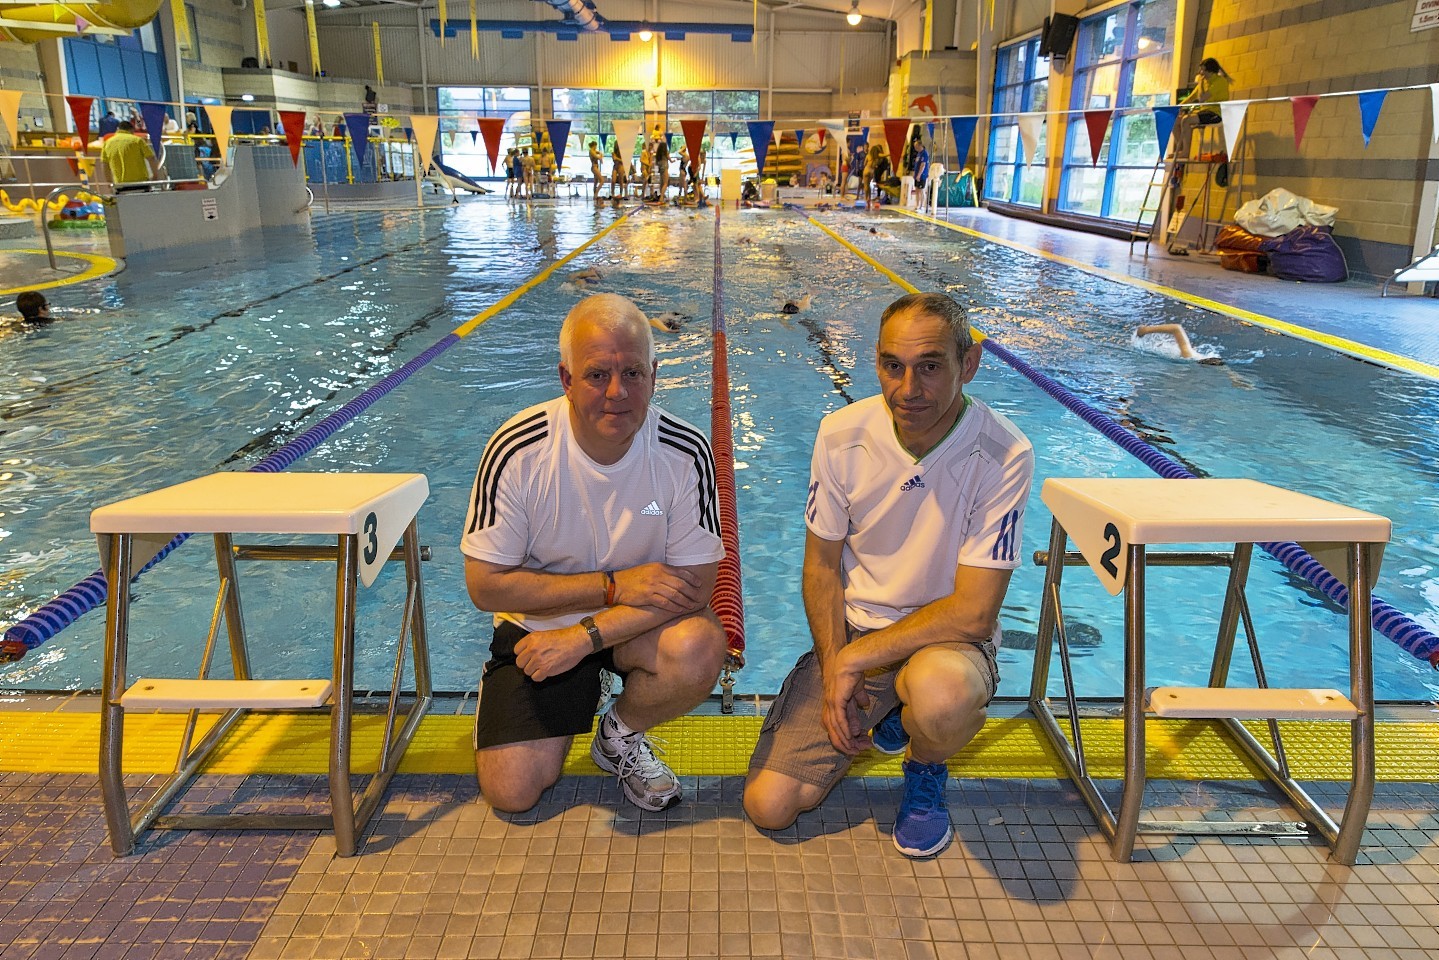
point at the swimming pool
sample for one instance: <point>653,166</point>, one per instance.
<point>195,366</point>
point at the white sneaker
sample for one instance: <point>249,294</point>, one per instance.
<point>646,780</point>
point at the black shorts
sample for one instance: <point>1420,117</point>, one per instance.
<point>513,708</point>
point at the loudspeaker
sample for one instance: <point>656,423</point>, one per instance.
<point>1057,35</point>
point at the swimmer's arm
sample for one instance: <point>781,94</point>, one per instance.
<point>967,614</point>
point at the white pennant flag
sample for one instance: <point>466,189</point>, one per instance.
<point>1030,125</point>
<point>1232,113</point>
<point>1434,105</point>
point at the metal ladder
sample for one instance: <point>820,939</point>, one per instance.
<point>1159,177</point>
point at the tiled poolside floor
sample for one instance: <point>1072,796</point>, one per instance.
<point>586,875</point>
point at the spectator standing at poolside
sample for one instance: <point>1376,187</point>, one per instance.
<point>593,526</point>
<point>916,502</point>
<point>129,158</point>
<point>596,158</point>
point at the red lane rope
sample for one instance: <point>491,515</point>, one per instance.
<point>728,599</point>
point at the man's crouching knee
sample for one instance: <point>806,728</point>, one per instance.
<point>773,801</point>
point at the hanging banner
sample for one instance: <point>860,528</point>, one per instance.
<point>80,113</point>
<point>474,33</point>
<point>262,36</point>
<point>1370,103</point>
<point>154,116</point>
<point>1164,119</point>
<point>359,126</point>
<point>895,132</point>
<point>1434,105</point>
<point>760,132</point>
<point>1096,122</point>
<point>444,21</point>
<point>293,123</point>
<point>220,124</point>
<point>379,60</point>
<point>559,139</point>
<point>963,128</point>
<point>425,128</point>
<point>10,113</point>
<point>1231,112</point>
<point>181,23</point>
<point>694,131</point>
<point>1303,107</point>
<point>492,129</point>
<point>627,131</point>
<point>314,37</point>
<point>1030,126</point>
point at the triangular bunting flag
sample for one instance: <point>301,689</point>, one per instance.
<point>760,132</point>
<point>1030,126</point>
<point>929,127</point>
<point>1096,122</point>
<point>474,136</point>
<point>80,113</point>
<point>293,123</point>
<point>81,25</point>
<point>799,137</point>
<point>359,126</point>
<point>1370,103</point>
<point>963,128</point>
<point>694,131</point>
<point>220,124</point>
<point>409,134</point>
<point>425,127</point>
<point>1303,107</point>
<point>670,140</point>
<point>895,132</point>
<point>559,139</point>
<point>154,114</point>
<point>492,129</point>
<point>734,134</point>
<point>10,112</point>
<point>1232,113</point>
<point>627,132</point>
<point>820,133</point>
<point>1164,118</point>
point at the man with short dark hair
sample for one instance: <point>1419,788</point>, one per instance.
<point>593,533</point>
<point>129,158</point>
<point>915,506</point>
<point>33,307</point>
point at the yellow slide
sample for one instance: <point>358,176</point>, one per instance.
<point>45,21</point>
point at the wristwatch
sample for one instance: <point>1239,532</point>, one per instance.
<point>593,629</point>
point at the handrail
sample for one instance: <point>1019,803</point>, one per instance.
<point>45,218</point>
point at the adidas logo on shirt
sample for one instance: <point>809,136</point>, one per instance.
<point>911,483</point>
<point>653,510</point>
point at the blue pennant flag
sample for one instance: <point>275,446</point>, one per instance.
<point>930,127</point>
<point>154,115</point>
<point>559,138</point>
<point>760,133</point>
<point>734,139</point>
<point>1370,102</point>
<point>1164,118</point>
<point>670,140</point>
<point>799,136</point>
<point>963,133</point>
<point>474,137</point>
<point>359,126</point>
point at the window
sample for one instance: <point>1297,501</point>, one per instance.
<point>1122,59</point>
<point>591,113</point>
<point>725,112</point>
<point>460,106</point>
<point>1021,85</point>
<point>126,68</point>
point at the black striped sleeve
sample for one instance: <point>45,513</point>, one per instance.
<point>693,444</point>
<point>503,446</point>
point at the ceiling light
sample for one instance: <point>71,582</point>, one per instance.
<point>853,16</point>
<point>646,36</point>
<point>331,3</point>
<point>247,97</point>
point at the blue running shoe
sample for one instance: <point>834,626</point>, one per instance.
<point>889,736</point>
<point>922,828</point>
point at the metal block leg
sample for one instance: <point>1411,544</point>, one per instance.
<point>1132,799</point>
<point>1361,691</point>
<point>112,714</point>
<point>342,809</point>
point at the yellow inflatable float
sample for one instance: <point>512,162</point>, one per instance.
<point>45,21</point>
<point>29,205</point>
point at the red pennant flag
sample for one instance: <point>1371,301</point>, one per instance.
<point>491,128</point>
<point>80,113</point>
<point>694,131</point>
<point>293,123</point>
<point>820,133</point>
<point>81,25</point>
<point>1303,107</point>
<point>1096,122</point>
<point>894,133</point>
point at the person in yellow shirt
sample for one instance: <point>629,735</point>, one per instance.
<point>1211,86</point>
<point>128,158</point>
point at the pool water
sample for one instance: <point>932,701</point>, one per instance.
<point>193,366</point>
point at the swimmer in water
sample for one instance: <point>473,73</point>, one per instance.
<point>668,322</point>
<point>587,276</point>
<point>796,305</point>
<point>1181,340</point>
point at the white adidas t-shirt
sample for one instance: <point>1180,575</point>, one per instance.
<point>541,502</point>
<point>908,525</point>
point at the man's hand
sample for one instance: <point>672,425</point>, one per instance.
<point>659,586</point>
<point>844,699</point>
<point>549,653</point>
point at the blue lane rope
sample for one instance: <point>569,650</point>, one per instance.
<point>1387,619</point>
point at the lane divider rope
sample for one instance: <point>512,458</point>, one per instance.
<point>728,598</point>
<point>1391,622</point>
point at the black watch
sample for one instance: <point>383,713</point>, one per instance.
<point>593,629</point>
